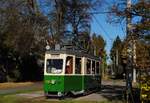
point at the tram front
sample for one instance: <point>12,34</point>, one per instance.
<point>54,75</point>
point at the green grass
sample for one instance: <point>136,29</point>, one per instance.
<point>11,99</point>
<point>18,99</point>
<point>21,91</point>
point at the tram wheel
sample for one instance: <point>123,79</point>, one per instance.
<point>62,97</point>
<point>86,92</point>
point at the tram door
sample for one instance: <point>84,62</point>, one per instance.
<point>73,78</point>
<point>78,66</point>
<point>69,65</point>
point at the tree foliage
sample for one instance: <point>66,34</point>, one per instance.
<point>22,36</point>
<point>140,30</point>
<point>139,14</point>
<point>71,16</point>
<point>98,44</point>
<point>26,28</point>
<point>116,56</point>
<point>117,45</point>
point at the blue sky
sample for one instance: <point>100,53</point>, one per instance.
<point>108,31</point>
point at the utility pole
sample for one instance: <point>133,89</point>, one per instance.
<point>114,65</point>
<point>117,61</point>
<point>134,61</point>
<point>128,28</point>
<point>129,66</point>
<point>117,58</point>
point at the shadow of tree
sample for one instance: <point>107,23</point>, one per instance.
<point>118,93</point>
<point>113,92</point>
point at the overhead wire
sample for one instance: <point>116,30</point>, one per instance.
<point>97,21</point>
<point>109,40</point>
<point>109,3</point>
<point>102,28</point>
<point>99,12</point>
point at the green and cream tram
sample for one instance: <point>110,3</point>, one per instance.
<point>70,72</point>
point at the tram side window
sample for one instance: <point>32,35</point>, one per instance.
<point>54,66</point>
<point>78,66</point>
<point>93,67</point>
<point>88,65</point>
<point>69,65</point>
<point>97,67</point>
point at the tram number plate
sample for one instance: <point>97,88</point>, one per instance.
<point>55,55</point>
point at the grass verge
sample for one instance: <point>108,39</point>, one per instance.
<point>18,99</point>
<point>14,85</point>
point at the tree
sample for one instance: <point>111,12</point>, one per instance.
<point>70,16</point>
<point>98,43</point>
<point>22,36</point>
<point>139,9</point>
<point>139,14</point>
<point>116,55</point>
<point>24,30</point>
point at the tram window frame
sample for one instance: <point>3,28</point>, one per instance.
<point>78,67</point>
<point>69,65</point>
<point>88,66</point>
<point>93,66</point>
<point>97,68</point>
<point>51,66</point>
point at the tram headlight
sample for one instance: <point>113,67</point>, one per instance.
<point>47,47</point>
<point>53,81</point>
<point>59,94</point>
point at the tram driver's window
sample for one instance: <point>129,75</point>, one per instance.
<point>88,65</point>
<point>54,66</point>
<point>93,67</point>
<point>69,65</point>
<point>97,67</point>
<point>78,66</point>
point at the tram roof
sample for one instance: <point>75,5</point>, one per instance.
<point>76,53</point>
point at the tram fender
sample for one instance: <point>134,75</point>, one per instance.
<point>77,92</point>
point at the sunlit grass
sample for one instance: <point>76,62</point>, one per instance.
<point>15,88</point>
<point>14,85</point>
<point>19,99</point>
<point>11,99</point>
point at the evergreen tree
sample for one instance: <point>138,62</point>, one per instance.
<point>115,55</point>
<point>98,44</point>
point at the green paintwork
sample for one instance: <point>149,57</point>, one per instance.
<point>58,84</point>
<point>66,83</point>
<point>73,83</point>
<point>92,82</point>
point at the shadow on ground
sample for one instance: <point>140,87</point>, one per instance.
<point>113,92</point>
<point>118,93</point>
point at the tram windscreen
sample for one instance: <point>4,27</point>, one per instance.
<point>54,66</point>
